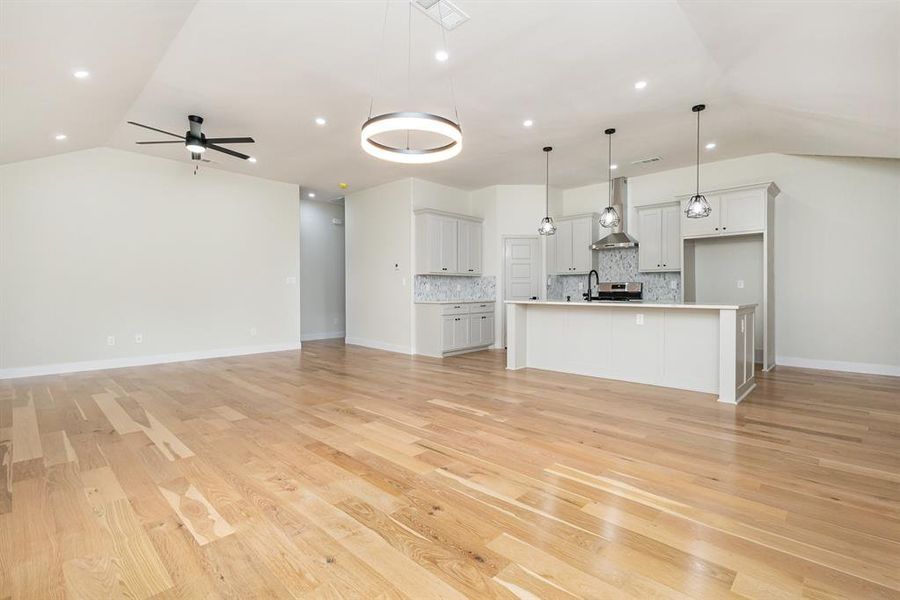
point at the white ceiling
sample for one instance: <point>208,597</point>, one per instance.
<point>795,77</point>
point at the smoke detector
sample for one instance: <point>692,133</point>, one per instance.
<point>647,161</point>
<point>443,12</point>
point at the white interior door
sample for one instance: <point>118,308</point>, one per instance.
<point>521,272</point>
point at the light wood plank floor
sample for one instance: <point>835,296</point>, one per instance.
<point>344,472</point>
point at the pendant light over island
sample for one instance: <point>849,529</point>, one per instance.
<point>609,218</point>
<point>547,226</point>
<point>698,206</point>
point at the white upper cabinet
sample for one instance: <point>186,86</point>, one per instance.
<point>448,244</point>
<point>569,249</point>
<point>734,211</point>
<point>660,242</point>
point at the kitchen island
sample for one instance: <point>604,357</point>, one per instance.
<point>699,347</point>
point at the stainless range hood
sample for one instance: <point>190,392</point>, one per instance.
<point>617,237</point>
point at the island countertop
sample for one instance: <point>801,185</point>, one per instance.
<point>635,304</point>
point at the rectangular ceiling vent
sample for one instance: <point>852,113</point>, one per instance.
<point>647,161</point>
<point>443,12</point>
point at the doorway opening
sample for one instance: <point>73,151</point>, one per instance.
<point>322,284</point>
<point>521,279</point>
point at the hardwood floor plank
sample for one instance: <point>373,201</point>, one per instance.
<point>346,472</point>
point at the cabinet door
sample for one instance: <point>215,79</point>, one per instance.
<point>581,245</point>
<point>449,244</point>
<point>432,244</point>
<point>704,226</point>
<point>475,330</point>
<point>462,246</point>
<point>742,211</point>
<point>447,333</point>
<point>487,329</point>
<point>564,247</point>
<point>475,236</point>
<point>671,238</point>
<point>460,331</point>
<point>650,247</point>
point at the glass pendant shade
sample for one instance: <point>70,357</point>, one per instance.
<point>547,226</point>
<point>697,207</point>
<point>609,218</point>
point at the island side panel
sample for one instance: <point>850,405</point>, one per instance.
<point>516,336</point>
<point>728,356</point>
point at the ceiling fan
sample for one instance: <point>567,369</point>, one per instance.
<point>196,142</point>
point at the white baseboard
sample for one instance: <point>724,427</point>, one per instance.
<point>378,345</point>
<point>838,365</point>
<point>137,361</point>
<point>325,335</point>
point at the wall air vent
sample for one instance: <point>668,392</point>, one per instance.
<point>442,11</point>
<point>647,161</point>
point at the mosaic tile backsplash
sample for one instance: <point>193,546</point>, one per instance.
<point>620,264</point>
<point>444,287</point>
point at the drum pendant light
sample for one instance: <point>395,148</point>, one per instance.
<point>409,121</point>
<point>547,226</point>
<point>698,207</point>
<point>609,218</point>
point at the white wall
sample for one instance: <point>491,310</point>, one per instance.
<point>321,270</point>
<point>510,210</point>
<point>104,242</point>
<point>837,282</point>
<point>378,224</point>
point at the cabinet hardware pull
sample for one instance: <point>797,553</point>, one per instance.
<point>717,228</point>
<point>724,228</point>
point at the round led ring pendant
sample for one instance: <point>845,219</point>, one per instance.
<point>411,121</point>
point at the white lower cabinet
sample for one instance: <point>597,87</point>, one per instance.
<point>453,328</point>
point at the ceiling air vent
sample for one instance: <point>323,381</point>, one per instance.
<point>647,161</point>
<point>442,11</point>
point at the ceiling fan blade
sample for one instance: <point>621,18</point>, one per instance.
<point>165,142</point>
<point>231,140</point>
<point>155,129</point>
<point>226,151</point>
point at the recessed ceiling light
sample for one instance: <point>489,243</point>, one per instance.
<point>311,194</point>
<point>60,136</point>
<point>613,167</point>
<point>81,74</point>
<point>710,145</point>
<point>252,159</point>
<point>441,55</point>
<point>527,123</point>
<point>639,85</point>
<point>320,121</point>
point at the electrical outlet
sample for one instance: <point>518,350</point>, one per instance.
<point>639,319</point>
<point>740,284</point>
<point>253,331</point>
<point>290,280</point>
<point>110,340</point>
<point>139,338</point>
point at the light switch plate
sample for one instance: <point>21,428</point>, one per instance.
<point>740,284</point>
<point>139,338</point>
<point>110,340</point>
<point>639,319</point>
<point>253,331</point>
<point>290,280</point>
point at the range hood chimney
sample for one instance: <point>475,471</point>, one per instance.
<point>618,238</point>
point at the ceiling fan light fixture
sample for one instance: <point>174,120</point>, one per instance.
<point>194,147</point>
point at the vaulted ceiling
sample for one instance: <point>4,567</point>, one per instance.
<point>802,77</point>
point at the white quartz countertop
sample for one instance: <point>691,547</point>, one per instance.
<point>638,304</point>
<point>453,301</point>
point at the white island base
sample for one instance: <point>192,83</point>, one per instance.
<point>699,347</point>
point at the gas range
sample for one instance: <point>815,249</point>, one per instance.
<point>613,291</point>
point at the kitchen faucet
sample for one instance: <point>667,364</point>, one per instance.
<point>588,294</point>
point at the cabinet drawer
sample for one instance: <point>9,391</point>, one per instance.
<point>459,308</point>
<point>481,307</point>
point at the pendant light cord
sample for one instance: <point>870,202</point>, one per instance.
<point>547,188</point>
<point>447,50</point>
<point>387,5</point>
<point>698,152</point>
<point>609,171</point>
